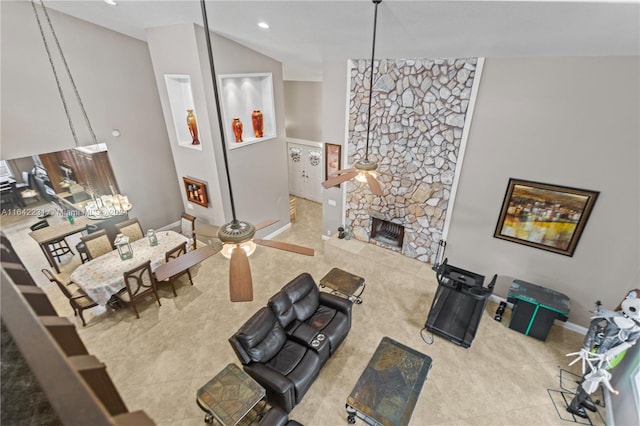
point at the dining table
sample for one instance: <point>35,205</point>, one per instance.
<point>102,277</point>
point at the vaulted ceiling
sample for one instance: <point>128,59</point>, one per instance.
<point>303,34</point>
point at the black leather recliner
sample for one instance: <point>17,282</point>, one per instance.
<point>285,368</point>
<point>283,346</point>
<point>300,305</point>
<point>277,417</point>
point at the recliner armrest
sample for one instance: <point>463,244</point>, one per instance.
<point>280,390</point>
<point>336,302</point>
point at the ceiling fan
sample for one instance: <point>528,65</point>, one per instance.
<point>237,236</point>
<point>364,170</point>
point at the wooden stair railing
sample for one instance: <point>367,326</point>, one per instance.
<point>76,383</point>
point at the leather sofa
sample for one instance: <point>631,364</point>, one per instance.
<point>277,417</point>
<point>284,345</point>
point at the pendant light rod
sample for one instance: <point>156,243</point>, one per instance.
<point>218,109</point>
<point>57,78</point>
<point>373,55</point>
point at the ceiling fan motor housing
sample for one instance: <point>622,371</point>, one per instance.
<point>366,165</point>
<point>236,232</point>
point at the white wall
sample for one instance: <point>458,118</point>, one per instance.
<point>114,76</point>
<point>565,121</point>
<point>259,171</point>
<point>334,119</point>
<point>303,110</point>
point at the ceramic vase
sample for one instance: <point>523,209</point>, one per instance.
<point>237,129</point>
<point>193,127</point>
<point>258,123</point>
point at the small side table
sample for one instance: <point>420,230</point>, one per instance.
<point>536,308</point>
<point>229,396</point>
<point>344,283</point>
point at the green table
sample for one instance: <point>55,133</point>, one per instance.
<point>536,308</point>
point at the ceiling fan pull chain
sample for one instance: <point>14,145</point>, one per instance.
<point>66,66</point>
<point>55,74</point>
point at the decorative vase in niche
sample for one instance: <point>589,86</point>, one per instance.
<point>237,129</point>
<point>258,123</point>
<point>193,127</point>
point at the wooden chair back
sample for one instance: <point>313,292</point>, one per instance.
<point>175,252</point>
<point>96,244</point>
<point>131,228</point>
<point>139,282</point>
<point>52,278</point>
<point>188,229</point>
<point>78,299</point>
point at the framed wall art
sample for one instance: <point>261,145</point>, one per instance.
<point>196,191</point>
<point>544,216</point>
<point>333,160</point>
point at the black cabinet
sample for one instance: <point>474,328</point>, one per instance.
<point>536,308</point>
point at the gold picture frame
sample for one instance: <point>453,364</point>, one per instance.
<point>544,216</point>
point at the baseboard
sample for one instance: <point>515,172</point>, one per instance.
<point>278,231</point>
<point>568,325</point>
<point>170,227</point>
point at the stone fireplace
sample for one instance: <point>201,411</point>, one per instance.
<point>417,119</point>
<point>386,232</point>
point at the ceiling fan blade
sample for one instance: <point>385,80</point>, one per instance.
<point>240,283</point>
<point>265,223</point>
<point>374,185</point>
<point>186,261</point>
<point>343,171</point>
<point>337,180</point>
<point>206,230</point>
<point>285,246</point>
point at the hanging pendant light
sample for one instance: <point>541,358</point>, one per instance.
<point>363,170</point>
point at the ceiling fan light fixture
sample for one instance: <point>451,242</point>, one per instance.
<point>248,246</point>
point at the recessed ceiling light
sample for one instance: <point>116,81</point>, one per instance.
<point>111,2</point>
<point>263,25</point>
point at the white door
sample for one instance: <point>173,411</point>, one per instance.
<point>313,174</point>
<point>305,171</point>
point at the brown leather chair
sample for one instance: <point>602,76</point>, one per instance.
<point>140,282</point>
<point>78,299</point>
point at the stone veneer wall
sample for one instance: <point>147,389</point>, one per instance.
<point>417,117</point>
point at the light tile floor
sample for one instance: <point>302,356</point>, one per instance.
<point>159,361</point>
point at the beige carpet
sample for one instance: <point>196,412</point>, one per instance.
<point>159,361</point>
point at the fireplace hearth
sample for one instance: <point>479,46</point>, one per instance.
<point>387,232</point>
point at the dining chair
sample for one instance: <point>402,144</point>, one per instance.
<point>96,244</point>
<point>188,229</point>
<point>57,248</point>
<point>78,299</point>
<point>171,256</point>
<point>139,283</point>
<point>131,228</point>
<point>80,247</point>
